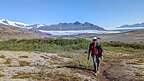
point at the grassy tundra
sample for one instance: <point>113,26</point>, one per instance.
<point>117,55</point>
<point>53,45</point>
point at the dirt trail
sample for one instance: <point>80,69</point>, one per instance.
<point>122,68</point>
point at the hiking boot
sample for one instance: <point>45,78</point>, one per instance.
<point>95,74</point>
<point>98,72</point>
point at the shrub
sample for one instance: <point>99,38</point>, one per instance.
<point>2,56</point>
<point>24,63</point>
<point>8,61</point>
<point>125,45</point>
<point>44,45</point>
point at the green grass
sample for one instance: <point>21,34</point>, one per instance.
<point>68,46</point>
<point>124,45</point>
<point>44,45</point>
<point>54,45</point>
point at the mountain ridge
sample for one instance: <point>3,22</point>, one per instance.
<point>61,26</point>
<point>71,26</point>
<point>132,25</point>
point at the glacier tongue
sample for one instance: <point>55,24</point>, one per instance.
<point>19,24</point>
<point>13,23</point>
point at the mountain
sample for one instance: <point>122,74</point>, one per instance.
<point>133,25</point>
<point>71,26</point>
<point>43,29</point>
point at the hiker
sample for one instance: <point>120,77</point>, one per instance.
<point>95,50</point>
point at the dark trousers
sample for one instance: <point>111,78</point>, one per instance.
<point>96,62</point>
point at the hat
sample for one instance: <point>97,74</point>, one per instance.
<point>94,38</point>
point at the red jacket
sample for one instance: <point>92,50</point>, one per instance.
<point>95,49</point>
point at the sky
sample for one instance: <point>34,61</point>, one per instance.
<point>105,13</point>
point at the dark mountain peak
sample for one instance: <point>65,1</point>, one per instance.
<point>77,23</point>
<point>63,23</point>
<point>87,23</point>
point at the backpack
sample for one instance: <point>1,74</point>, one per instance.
<point>100,50</point>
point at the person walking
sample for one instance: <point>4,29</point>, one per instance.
<point>95,50</point>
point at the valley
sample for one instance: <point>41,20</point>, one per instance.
<point>30,54</point>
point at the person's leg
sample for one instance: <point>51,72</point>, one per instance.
<point>98,62</point>
<point>94,63</point>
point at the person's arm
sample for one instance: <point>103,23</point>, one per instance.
<point>89,51</point>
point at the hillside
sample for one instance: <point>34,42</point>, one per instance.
<point>136,32</point>
<point>12,32</point>
<point>128,37</point>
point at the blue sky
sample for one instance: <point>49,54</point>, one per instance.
<point>105,13</point>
